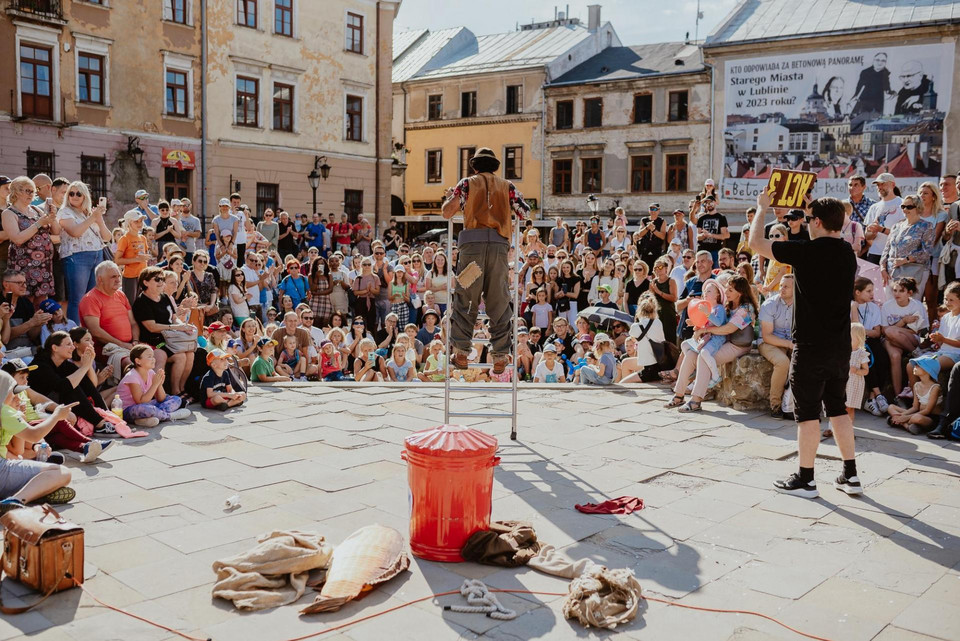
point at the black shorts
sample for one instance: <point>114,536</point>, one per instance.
<point>818,379</point>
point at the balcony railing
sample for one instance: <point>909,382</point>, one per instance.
<point>46,10</point>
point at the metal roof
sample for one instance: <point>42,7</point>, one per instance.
<point>765,20</point>
<point>627,63</point>
<point>419,54</point>
<point>505,51</point>
<point>403,40</point>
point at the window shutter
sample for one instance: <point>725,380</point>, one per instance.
<point>168,9</point>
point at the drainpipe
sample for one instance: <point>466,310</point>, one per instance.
<point>376,197</point>
<point>203,118</point>
<point>713,105</point>
<point>543,142</point>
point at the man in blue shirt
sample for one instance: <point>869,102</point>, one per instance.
<point>776,328</point>
<point>693,288</point>
<point>315,231</point>
<point>150,212</point>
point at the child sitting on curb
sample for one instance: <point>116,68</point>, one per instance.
<point>366,366</point>
<point>141,390</point>
<point>399,368</point>
<point>549,369</point>
<point>217,386</point>
<point>331,363</point>
<point>291,362</point>
<point>435,369</point>
<point>263,370</point>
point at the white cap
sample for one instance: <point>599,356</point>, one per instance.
<point>175,202</point>
<point>884,178</point>
<point>224,202</point>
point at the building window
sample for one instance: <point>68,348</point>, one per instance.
<point>283,17</point>
<point>434,165</point>
<point>93,172</point>
<point>513,163</point>
<point>593,112</point>
<point>282,107</point>
<point>591,181</point>
<point>676,172</point>
<point>354,32</point>
<point>248,102</point>
<point>678,106</point>
<point>466,153</point>
<point>90,78</point>
<point>435,107</point>
<point>175,10</point>
<point>247,13</point>
<point>353,203</point>
<point>177,93</point>
<point>564,114</point>
<point>36,88</point>
<point>641,173</point>
<point>354,118</point>
<point>40,162</point>
<point>642,108</point>
<point>268,197</point>
<point>515,99</point>
<point>563,176</point>
<point>176,183</point>
<point>468,104</point>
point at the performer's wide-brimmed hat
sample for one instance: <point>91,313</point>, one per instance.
<point>486,157</point>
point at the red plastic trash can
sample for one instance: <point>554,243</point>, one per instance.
<point>450,472</point>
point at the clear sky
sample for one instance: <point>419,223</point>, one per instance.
<point>636,21</point>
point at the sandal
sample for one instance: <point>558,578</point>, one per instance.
<point>676,401</point>
<point>827,433</point>
<point>668,377</point>
<point>691,406</point>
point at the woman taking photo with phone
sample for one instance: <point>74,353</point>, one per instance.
<point>29,230</point>
<point>81,243</point>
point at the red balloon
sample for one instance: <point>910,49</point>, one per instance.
<point>699,312</point>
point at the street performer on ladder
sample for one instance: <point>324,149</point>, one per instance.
<point>488,203</point>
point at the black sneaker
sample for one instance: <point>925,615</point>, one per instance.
<point>849,485</point>
<point>794,485</point>
<point>776,412</point>
<point>56,458</point>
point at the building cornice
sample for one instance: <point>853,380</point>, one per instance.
<point>470,122</point>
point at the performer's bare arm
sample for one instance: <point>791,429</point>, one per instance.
<point>451,206</point>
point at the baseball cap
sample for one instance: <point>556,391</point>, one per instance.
<point>234,343</point>
<point>884,178</point>
<point>533,254</point>
<point>522,330</point>
<point>550,347</point>
<point>17,365</point>
<point>676,241</point>
<point>324,343</point>
<point>49,306</point>
<point>794,214</point>
<point>215,354</point>
<point>224,203</point>
<point>654,206</point>
<point>266,341</point>
<point>176,202</point>
<point>605,288</point>
<point>132,216</point>
<point>709,181</point>
<point>141,193</point>
<point>5,180</point>
<point>216,326</point>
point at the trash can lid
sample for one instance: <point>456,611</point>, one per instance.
<point>452,440</point>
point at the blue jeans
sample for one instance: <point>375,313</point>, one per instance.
<point>589,376</point>
<point>78,272</point>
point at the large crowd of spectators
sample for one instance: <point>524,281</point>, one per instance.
<point>133,324</point>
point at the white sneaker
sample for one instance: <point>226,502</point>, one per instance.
<point>180,414</point>
<point>91,451</point>
<point>153,421</point>
<point>871,406</point>
<point>882,404</point>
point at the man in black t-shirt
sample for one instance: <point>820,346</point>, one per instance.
<point>652,235</point>
<point>824,269</point>
<point>711,228</point>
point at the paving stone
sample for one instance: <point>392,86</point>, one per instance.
<point>893,633</point>
<point>129,553</point>
<point>931,616</point>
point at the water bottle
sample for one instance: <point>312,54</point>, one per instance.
<point>232,502</point>
<point>43,452</point>
<point>117,406</point>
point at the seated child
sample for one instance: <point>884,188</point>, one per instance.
<point>549,369</point>
<point>263,369</point>
<point>141,390</point>
<point>58,323</point>
<point>331,363</point>
<point>366,365</point>
<point>709,344</point>
<point>399,368</point>
<point>436,367</point>
<point>217,384</point>
<point>291,362</point>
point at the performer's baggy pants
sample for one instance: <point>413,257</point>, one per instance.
<point>488,250</point>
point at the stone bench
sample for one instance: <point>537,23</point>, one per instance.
<point>746,383</point>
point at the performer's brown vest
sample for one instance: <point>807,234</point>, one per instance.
<point>488,204</point>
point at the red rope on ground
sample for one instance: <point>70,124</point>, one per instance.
<point>451,592</point>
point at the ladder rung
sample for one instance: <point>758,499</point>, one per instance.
<point>479,388</point>
<point>480,414</point>
<point>482,341</point>
<point>479,365</point>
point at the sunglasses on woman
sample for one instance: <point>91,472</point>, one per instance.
<point>907,207</point>
<point>75,194</point>
<point>774,236</point>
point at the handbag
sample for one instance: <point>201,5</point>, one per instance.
<point>659,349</point>
<point>178,342</point>
<point>41,550</point>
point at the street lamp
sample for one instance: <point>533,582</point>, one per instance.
<point>133,148</point>
<point>593,203</point>
<point>319,171</point>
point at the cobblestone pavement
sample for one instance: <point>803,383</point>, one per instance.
<point>885,567</point>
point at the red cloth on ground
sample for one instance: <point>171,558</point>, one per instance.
<point>619,505</point>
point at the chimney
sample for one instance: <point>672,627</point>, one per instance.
<point>594,20</point>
